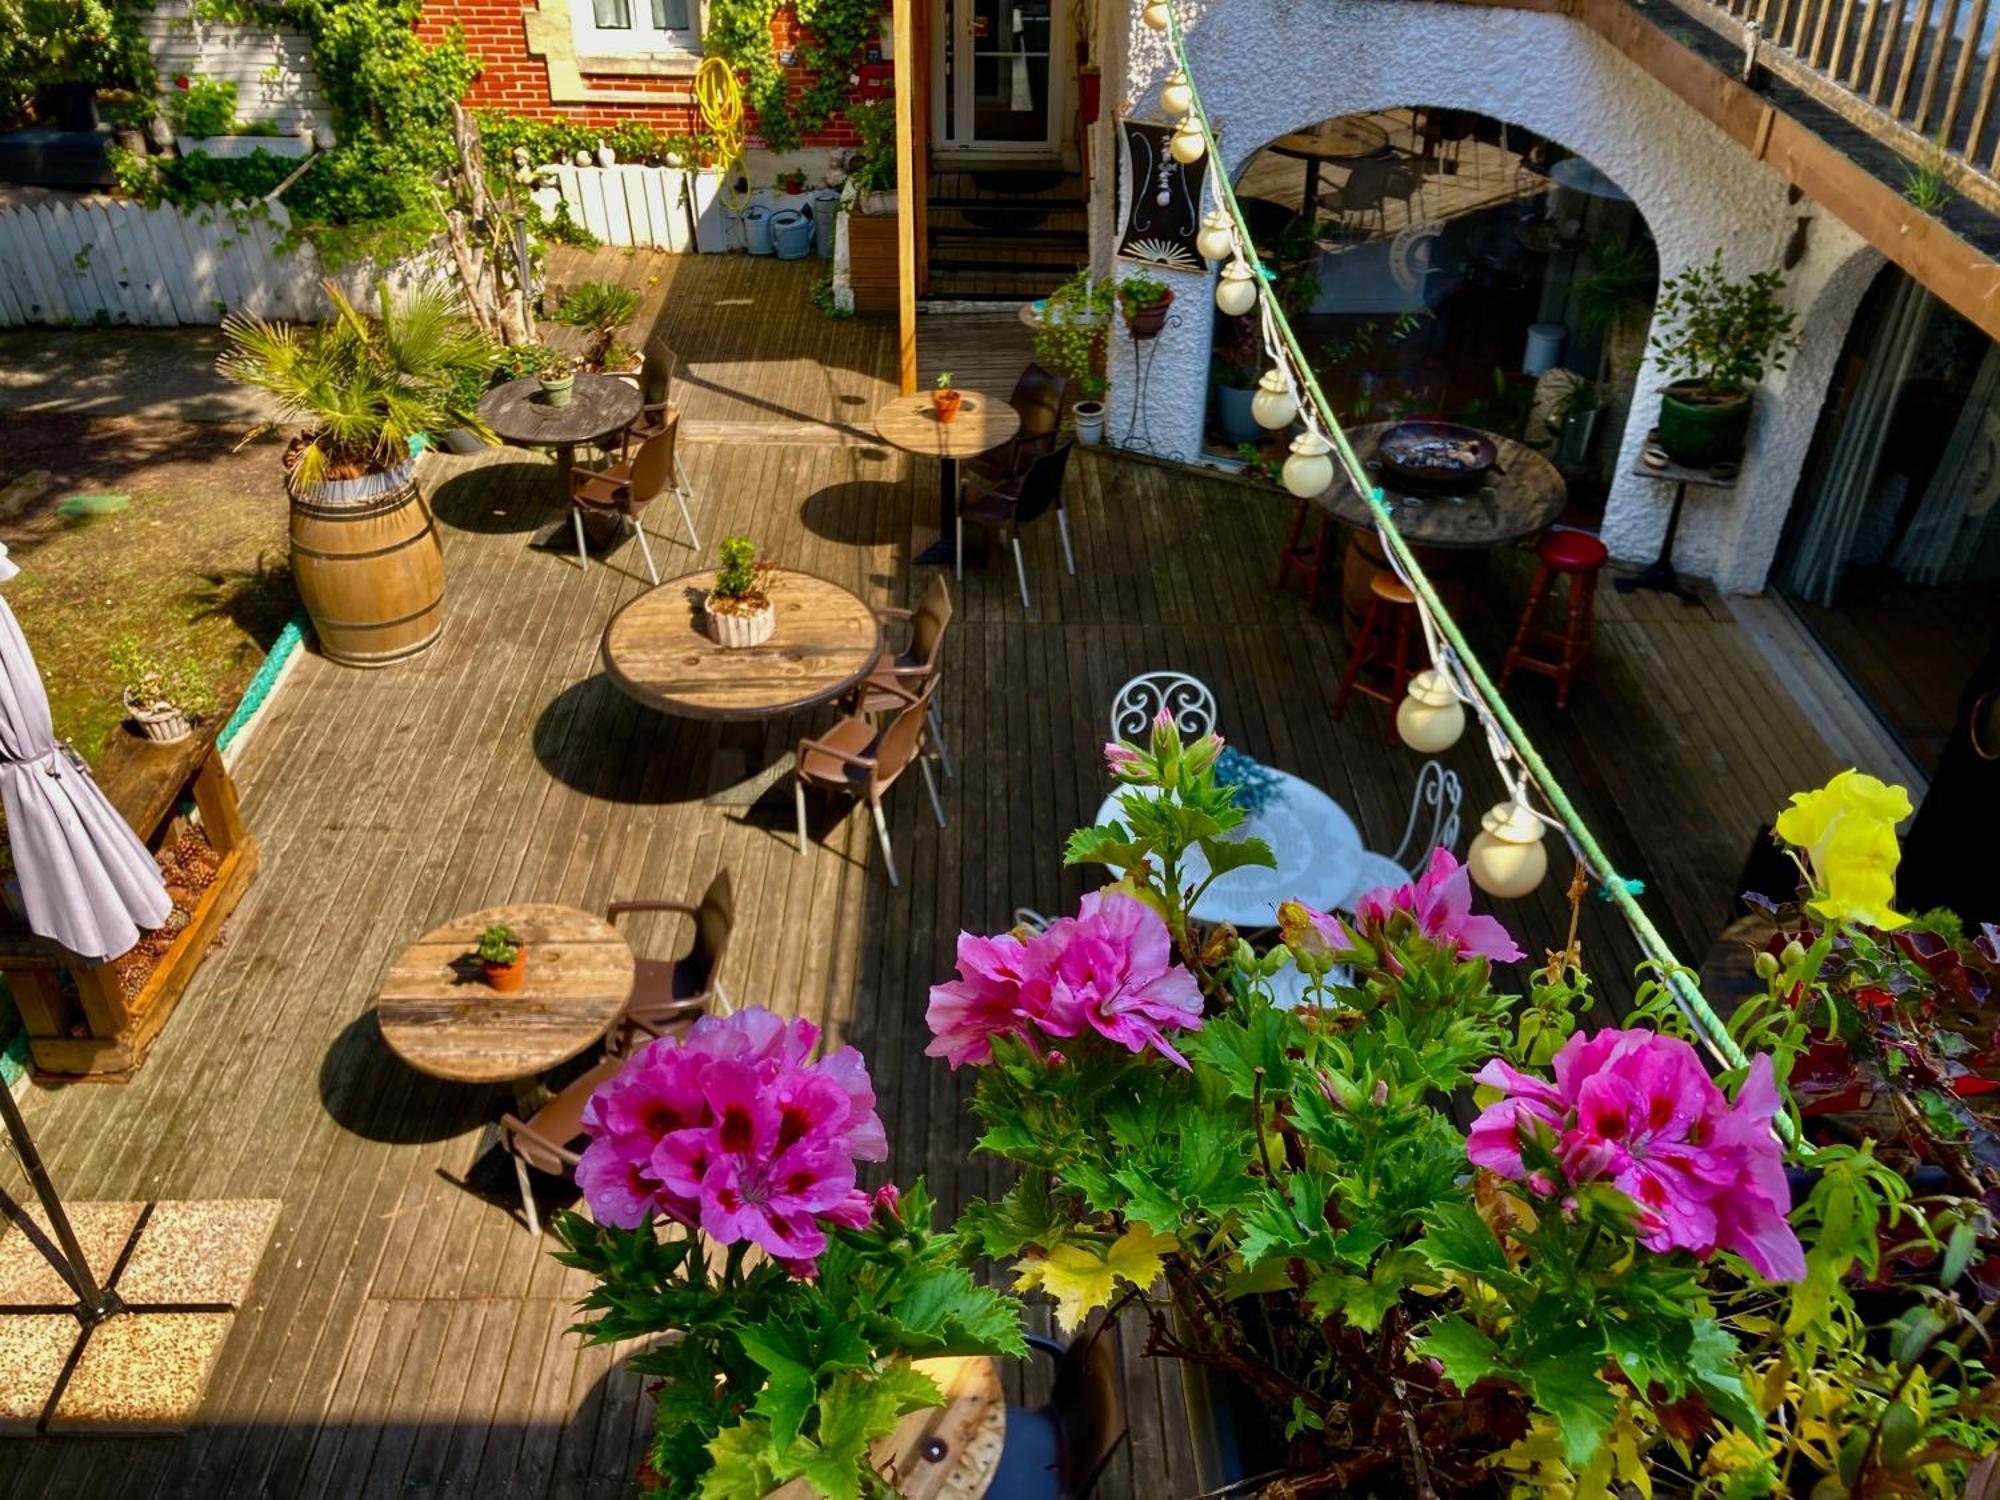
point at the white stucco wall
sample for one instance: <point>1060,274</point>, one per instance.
<point>1265,67</point>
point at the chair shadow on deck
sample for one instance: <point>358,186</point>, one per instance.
<point>372,1093</point>
<point>499,498</point>
<point>858,513</point>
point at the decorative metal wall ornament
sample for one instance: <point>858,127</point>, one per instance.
<point>1163,212</point>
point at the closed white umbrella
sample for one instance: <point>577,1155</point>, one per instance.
<point>86,880</point>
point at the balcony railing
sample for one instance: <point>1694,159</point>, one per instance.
<point>1919,75</point>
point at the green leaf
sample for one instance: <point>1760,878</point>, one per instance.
<point>1715,1368</point>
<point>1468,1355</point>
<point>1107,844</point>
<point>1565,1384</point>
<point>1224,855</point>
<point>942,1311</point>
<point>856,1410</point>
<point>1362,1302</point>
<point>742,1468</point>
<point>1238,1048</point>
<point>1457,1239</point>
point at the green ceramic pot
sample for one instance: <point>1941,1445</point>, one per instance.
<point>1697,429</point>
<point>557,390</point>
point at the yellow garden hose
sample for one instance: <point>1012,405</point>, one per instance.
<point>721,101</point>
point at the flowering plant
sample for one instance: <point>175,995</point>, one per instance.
<point>1606,1284</point>
<point>721,1174</point>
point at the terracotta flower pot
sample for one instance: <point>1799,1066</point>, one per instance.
<point>1146,322</point>
<point>947,403</point>
<point>732,631</point>
<point>506,978</point>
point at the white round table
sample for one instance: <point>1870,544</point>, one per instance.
<point>1316,843</point>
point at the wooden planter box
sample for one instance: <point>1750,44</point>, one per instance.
<point>871,261</point>
<point>79,1021</point>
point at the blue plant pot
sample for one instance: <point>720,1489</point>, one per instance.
<point>1232,414</point>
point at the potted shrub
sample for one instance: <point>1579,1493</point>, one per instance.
<point>738,609</point>
<point>163,695</point>
<point>946,398</point>
<point>1716,338</point>
<point>558,378</point>
<point>1069,339</point>
<point>1145,303</point>
<point>793,182</point>
<point>201,112</point>
<point>365,551</point>
<point>600,310</point>
<point>503,958</point>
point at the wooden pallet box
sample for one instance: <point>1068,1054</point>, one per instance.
<point>80,1021</point>
<point>871,261</point>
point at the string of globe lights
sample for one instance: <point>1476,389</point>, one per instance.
<point>1506,857</point>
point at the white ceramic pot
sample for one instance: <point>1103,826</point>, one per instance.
<point>161,722</point>
<point>732,631</point>
<point>1089,417</point>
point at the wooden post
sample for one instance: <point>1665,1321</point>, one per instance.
<point>910,171</point>
<point>920,128</point>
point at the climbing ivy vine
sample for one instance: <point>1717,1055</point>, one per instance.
<point>836,32</point>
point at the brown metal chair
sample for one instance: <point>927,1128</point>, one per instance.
<point>627,489</point>
<point>1038,401</point>
<point>1006,505</point>
<point>669,994</point>
<point>656,389</point>
<point>859,760</point>
<point>544,1141</point>
<point>895,678</point>
<point>1057,1451</point>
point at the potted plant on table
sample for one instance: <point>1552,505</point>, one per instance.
<point>738,608</point>
<point>1144,302</point>
<point>600,310</point>
<point>165,696</point>
<point>946,398</point>
<point>558,378</point>
<point>1716,339</point>
<point>503,958</point>
<point>365,553</point>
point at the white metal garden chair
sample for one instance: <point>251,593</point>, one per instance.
<point>1438,794</point>
<point>1186,699</point>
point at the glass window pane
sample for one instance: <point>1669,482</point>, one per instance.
<point>672,15</point>
<point>1010,26</point>
<point>612,15</point>
<point>1011,98</point>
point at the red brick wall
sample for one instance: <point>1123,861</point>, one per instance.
<point>512,80</point>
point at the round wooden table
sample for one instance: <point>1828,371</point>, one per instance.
<point>600,407</point>
<point>1452,534</point>
<point>657,650</point>
<point>442,1018</point>
<point>983,423</point>
<point>949,1452</point>
<point>1346,139</point>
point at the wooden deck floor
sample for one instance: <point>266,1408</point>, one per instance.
<point>405,1335</point>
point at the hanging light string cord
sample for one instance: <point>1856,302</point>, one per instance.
<point>1515,756</point>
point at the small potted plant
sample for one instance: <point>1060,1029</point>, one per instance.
<point>738,608</point>
<point>558,379</point>
<point>1145,303</point>
<point>503,958</point>
<point>165,696</point>
<point>794,183</point>
<point>1717,337</point>
<point>947,398</point>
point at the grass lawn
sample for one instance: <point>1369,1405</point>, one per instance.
<point>193,562</point>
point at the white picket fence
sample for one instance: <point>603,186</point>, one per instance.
<point>664,208</point>
<point>95,260</point>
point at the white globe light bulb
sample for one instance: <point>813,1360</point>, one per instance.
<point>1308,472</point>
<point>1507,858</point>
<point>1236,292</point>
<point>1186,143</point>
<point>1430,718</point>
<point>1155,14</point>
<point>1273,406</point>
<point>1176,98</point>
<point>1215,242</point>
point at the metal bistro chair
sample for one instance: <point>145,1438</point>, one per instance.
<point>1439,793</point>
<point>544,1140</point>
<point>858,760</point>
<point>656,389</point>
<point>1057,1451</point>
<point>627,489</point>
<point>668,994</point>
<point>1007,504</point>
<point>1186,699</point>
<point>895,678</point>
<point>1038,402</point>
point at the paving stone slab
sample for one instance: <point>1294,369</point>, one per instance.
<point>199,1251</point>
<point>142,1373</point>
<point>26,1277</point>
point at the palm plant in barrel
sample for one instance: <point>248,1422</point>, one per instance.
<point>364,390</point>
<point>1717,338</point>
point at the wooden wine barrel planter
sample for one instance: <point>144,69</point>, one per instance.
<point>1456,572</point>
<point>366,558</point>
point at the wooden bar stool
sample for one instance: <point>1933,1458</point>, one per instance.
<point>1578,556</point>
<point>1392,614</point>
<point>1307,560</point>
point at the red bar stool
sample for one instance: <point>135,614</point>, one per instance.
<point>1307,560</point>
<point>1578,556</point>
<point>1392,614</point>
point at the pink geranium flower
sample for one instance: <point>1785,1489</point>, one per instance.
<point>1109,969</point>
<point>1638,1110</point>
<point>1440,902</point>
<point>734,1131</point>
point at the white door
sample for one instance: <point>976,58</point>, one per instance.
<point>1003,69</point>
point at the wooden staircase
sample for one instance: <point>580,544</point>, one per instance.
<point>1004,235</point>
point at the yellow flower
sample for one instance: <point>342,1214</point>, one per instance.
<point>1847,831</point>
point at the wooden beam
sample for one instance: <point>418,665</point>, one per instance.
<point>920,32</point>
<point>909,177</point>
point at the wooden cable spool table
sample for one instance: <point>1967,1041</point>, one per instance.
<point>440,1016</point>
<point>911,423</point>
<point>1452,534</point>
<point>600,406</point>
<point>657,651</point>
<point>949,1452</point>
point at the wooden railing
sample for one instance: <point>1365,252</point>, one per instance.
<point>1919,75</point>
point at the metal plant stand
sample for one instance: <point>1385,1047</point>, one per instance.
<point>1138,429</point>
<point>1659,574</point>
